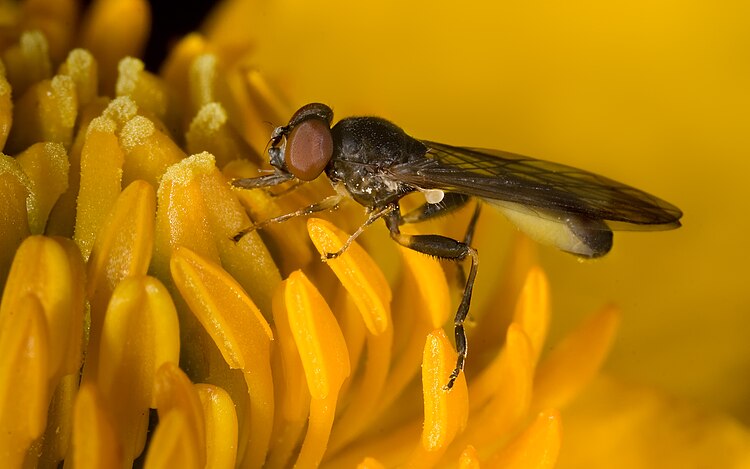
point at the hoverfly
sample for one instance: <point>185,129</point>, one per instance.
<point>376,163</point>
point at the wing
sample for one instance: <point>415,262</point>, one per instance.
<point>522,183</point>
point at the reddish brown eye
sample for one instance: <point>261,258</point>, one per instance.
<point>309,148</point>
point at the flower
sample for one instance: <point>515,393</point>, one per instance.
<point>124,292</point>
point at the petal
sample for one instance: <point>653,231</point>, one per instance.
<point>51,269</point>
<point>45,112</point>
<point>575,360</point>
<point>140,333</point>
<point>101,181</point>
<point>469,459</point>
<point>14,188</point>
<point>499,405</point>
<point>322,349</point>
<point>24,374</point>
<point>111,30</point>
<point>224,309</point>
<point>357,272</point>
<point>288,241</point>
<point>221,426</point>
<point>650,429</point>
<point>145,89</point>
<point>6,109</point>
<point>123,245</point>
<point>176,395</point>
<point>317,335</point>
<point>537,447</point>
<point>198,210</point>
<point>27,62</point>
<point>94,442</point>
<point>211,131</point>
<point>46,165</point>
<point>55,442</point>
<point>445,411</point>
<point>82,68</point>
<point>370,463</point>
<point>174,444</point>
<point>533,310</point>
<point>292,394</point>
<point>238,330</point>
<point>148,151</point>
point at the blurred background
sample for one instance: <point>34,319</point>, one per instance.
<point>653,94</point>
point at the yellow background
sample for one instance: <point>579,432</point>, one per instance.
<point>654,94</point>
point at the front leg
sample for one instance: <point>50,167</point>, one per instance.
<point>444,248</point>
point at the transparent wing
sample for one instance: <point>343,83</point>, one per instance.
<point>520,182</point>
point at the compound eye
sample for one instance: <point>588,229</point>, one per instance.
<point>309,148</point>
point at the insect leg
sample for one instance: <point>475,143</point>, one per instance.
<point>468,238</point>
<point>262,181</point>
<point>380,213</point>
<point>444,248</point>
<point>328,203</point>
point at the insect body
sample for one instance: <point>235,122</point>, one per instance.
<point>377,163</point>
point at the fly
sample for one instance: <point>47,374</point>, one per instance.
<point>377,163</point>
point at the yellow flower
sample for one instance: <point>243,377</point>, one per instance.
<point>124,294</point>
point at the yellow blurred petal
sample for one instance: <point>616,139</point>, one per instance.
<point>359,274</point>
<point>144,88</point>
<point>140,333</point>
<point>101,181</point>
<point>14,188</point>
<point>94,442</point>
<point>210,131</point>
<point>82,68</point>
<point>421,303</point>
<point>501,396</point>
<point>537,447</point>
<point>6,110</point>
<point>174,444</point>
<point>46,112</point>
<point>175,394</point>
<point>53,18</point>
<point>469,459</point>
<point>208,83</point>
<point>27,62</point>
<point>224,309</point>
<point>148,151</point>
<point>493,312</point>
<point>367,393</point>
<point>111,30</point>
<point>431,286</point>
<point>646,428</point>
<point>24,374</point>
<point>46,165</point>
<point>576,360</point>
<point>532,309</point>
<point>446,411</point>
<point>175,68</point>
<point>221,426</point>
<point>51,269</point>
<point>370,463</point>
